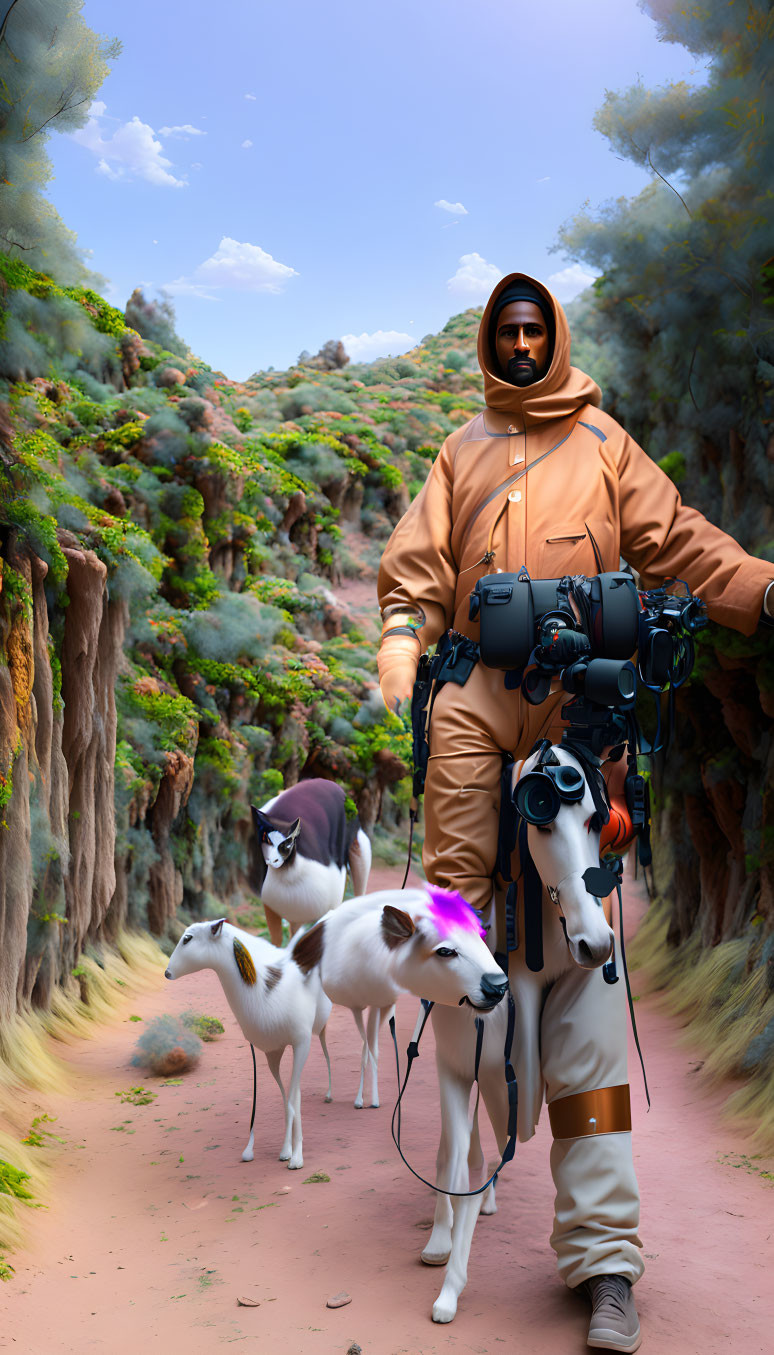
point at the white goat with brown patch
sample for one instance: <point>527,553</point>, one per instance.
<point>275,1001</point>
<point>423,941</point>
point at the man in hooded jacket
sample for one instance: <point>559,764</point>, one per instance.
<point>543,478</point>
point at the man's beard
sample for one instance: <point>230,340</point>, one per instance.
<point>521,375</point>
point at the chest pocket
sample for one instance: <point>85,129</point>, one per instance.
<point>568,549</point>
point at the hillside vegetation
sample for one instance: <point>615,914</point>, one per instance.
<point>175,650</point>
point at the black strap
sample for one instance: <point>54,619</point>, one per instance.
<point>413,811</point>
<point>412,1053</point>
<point>255,1088</point>
<point>533,904</point>
<point>629,992</point>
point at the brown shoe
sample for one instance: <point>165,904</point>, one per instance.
<point>614,1323</point>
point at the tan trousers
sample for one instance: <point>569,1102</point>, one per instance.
<point>571,1026</point>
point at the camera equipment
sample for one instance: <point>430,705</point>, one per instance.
<point>584,632</point>
<point>538,795</point>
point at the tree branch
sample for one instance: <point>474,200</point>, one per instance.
<point>7,17</point>
<point>669,185</point>
<point>65,108</point>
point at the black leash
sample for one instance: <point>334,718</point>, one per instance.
<point>413,813</point>
<point>412,1053</point>
<point>255,1088</point>
<point>629,990</point>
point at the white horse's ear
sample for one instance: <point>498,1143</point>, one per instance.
<point>397,926</point>
<point>294,831</point>
<point>217,927</point>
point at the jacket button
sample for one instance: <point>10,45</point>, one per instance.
<point>515,496</point>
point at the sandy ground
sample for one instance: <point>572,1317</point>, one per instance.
<point>150,1236</point>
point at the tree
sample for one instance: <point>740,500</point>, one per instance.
<point>51,66</point>
<point>155,320</point>
<point>681,320</point>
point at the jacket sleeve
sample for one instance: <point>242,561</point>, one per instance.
<point>663,539</point>
<point>417,574</point>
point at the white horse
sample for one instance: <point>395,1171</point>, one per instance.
<point>575,931</point>
<point>424,941</point>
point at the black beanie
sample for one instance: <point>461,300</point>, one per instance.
<point>522,291</point>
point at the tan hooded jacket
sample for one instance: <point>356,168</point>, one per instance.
<point>597,496</point>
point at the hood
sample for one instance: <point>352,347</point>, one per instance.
<point>562,391</point>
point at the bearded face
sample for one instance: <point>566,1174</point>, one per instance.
<point>522,344</point>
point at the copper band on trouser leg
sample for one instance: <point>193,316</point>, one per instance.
<point>606,1110</point>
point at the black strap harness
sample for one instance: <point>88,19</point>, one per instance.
<point>412,1053</point>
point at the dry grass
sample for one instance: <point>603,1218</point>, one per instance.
<point>94,994</point>
<point>723,1008</point>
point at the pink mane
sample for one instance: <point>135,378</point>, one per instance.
<point>448,910</point>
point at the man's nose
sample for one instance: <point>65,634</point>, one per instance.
<point>522,342</point>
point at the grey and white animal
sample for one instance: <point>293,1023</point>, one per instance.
<point>275,1002</point>
<point>575,932</point>
<point>424,941</point>
<point>306,844</point>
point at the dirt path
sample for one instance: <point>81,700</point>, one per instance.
<point>155,1227</point>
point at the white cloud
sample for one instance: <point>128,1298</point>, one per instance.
<point>187,287</point>
<point>132,152</point>
<point>381,344</point>
<point>246,145</point>
<point>252,97</point>
<point>545,179</point>
<point>185,130</point>
<point>474,278</point>
<point>570,282</point>
<point>235,264</point>
<point>456,208</point>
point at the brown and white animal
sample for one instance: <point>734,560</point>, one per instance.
<point>575,933</point>
<point>306,843</point>
<point>275,1002</point>
<point>425,941</point>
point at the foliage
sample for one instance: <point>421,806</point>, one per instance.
<point>206,1027</point>
<point>138,1096</point>
<point>12,1181</point>
<point>166,1046</point>
<point>679,326</point>
<point>51,67</point>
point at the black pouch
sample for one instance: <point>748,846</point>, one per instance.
<point>506,605</point>
<point>453,661</point>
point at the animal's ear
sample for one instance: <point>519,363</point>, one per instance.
<point>217,927</point>
<point>260,821</point>
<point>294,831</point>
<point>397,926</point>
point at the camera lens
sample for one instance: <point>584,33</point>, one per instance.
<point>610,682</point>
<point>569,782</point>
<point>606,682</point>
<point>536,799</point>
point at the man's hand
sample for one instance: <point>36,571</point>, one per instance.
<point>397,662</point>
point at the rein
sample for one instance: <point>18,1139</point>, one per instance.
<point>255,1088</point>
<point>412,1053</point>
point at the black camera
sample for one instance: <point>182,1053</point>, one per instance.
<point>585,631</point>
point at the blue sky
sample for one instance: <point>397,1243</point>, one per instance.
<point>282,168</point>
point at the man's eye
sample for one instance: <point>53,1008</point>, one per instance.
<point>445,953</point>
